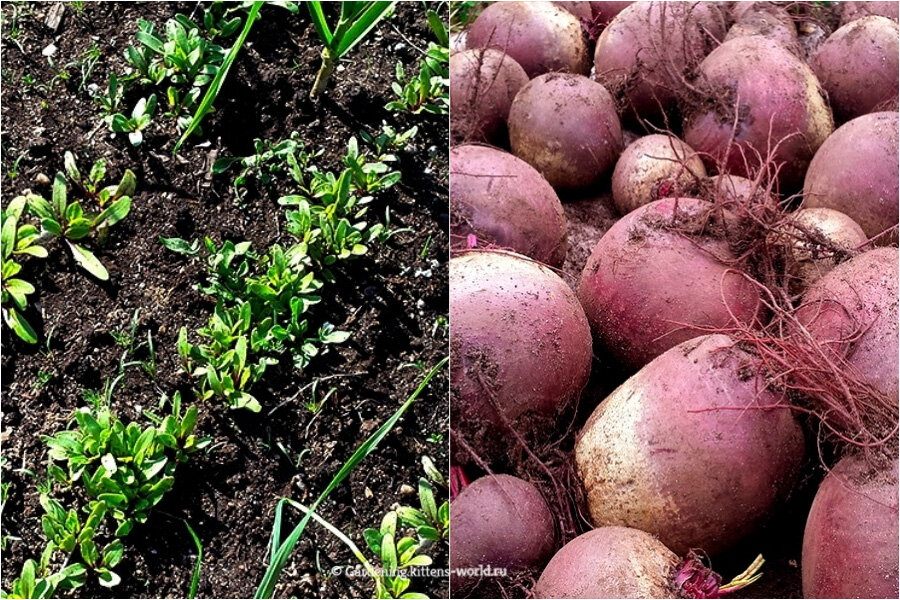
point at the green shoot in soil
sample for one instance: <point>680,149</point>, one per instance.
<point>356,20</point>
<point>281,551</point>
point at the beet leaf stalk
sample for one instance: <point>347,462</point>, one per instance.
<point>357,19</point>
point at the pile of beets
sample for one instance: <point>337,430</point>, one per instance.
<point>727,346</point>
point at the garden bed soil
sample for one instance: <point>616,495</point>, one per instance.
<point>394,299</point>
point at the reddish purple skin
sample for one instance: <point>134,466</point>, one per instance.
<point>540,36</point>
<point>581,10</point>
<point>779,99</point>
<point>604,12</point>
<point>690,449</point>
<point>856,10</point>
<point>634,53</point>
<point>858,66</point>
<point>850,542</point>
<point>640,281</point>
<point>566,127</point>
<point>518,338</point>
<point>610,562</point>
<point>499,521</point>
<point>481,97</point>
<point>856,172</point>
<point>773,23</point>
<point>504,202</point>
<point>867,288</point>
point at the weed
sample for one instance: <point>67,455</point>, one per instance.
<point>43,378</point>
<point>356,20</point>
<point>429,90</point>
<point>120,471</point>
<point>140,119</point>
<point>281,550</point>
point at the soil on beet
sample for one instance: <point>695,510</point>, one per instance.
<point>590,214</point>
<point>394,299</point>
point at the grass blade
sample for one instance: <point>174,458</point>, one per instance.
<point>280,557</point>
<point>336,533</point>
<point>365,23</point>
<point>213,90</point>
<point>319,22</point>
<point>195,579</point>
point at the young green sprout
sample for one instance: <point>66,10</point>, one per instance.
<point>356,20</point>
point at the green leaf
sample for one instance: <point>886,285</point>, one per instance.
<point>114,213</point>
<point>40,207</point>
<point>78,228</point>
<point>127,185</point>
<point>180,245</point>
<point>420,560</point>
<point>51,226</point>
<point>88,261</point>
<point>373,540</point>
<point>71,167</point>
<point>107,578</point>
<point>59,195</point>
<point>98,171</point>
<point>213,91</point>
<point>112,553</point>
<point>319,23</point>
<point>388,553</point>
<point>437,26</point>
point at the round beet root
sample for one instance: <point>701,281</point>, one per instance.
<point>850,542</point>
<point>520,347</point>
<point>781,104</point>
<point>856,172</point>
<point>858,66</point>
<point>604,12</point>
<point>610,562</point>
<point>502,522</point>
<point>860,296</point>
<point>850,11</point>
<point>647,48</point>
<point>806,261</point>
<point>483,84</point>
<point>581,10</point>
<point>773,23</point>
<point>692,448</point>
<point>650,284</point>
<point>540,36</point>
<point>504,202</point>
<point>566,127</point>
<point>653,167</point>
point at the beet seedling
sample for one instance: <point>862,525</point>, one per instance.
<point>67,220</point>
<point>16,240</point>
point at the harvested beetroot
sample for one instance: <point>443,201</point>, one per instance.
<point>653,167</point>
<point>620,562</point>
<point>850,11</point>
<point>658,277</point>
<point>610,562</point>
<point>483,84</point>
<point>502,201</point>
<point>604,12</point>
<point>771,22</point>
<point>540,36</point>
<point>643,55</point>
<point>566,127</point>
<point>521,349</point>
<point>581,10</point>
<point>749,111</point>
<point>850,542</point>
<point>852,310</point>
<point>856,172</point>
<point>858,66</point>
<point>730,191</point>
<point>819,238</point>
<point>694,448</point>
<point>501,522</point>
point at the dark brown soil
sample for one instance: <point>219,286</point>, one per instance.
<point>394,300</point>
